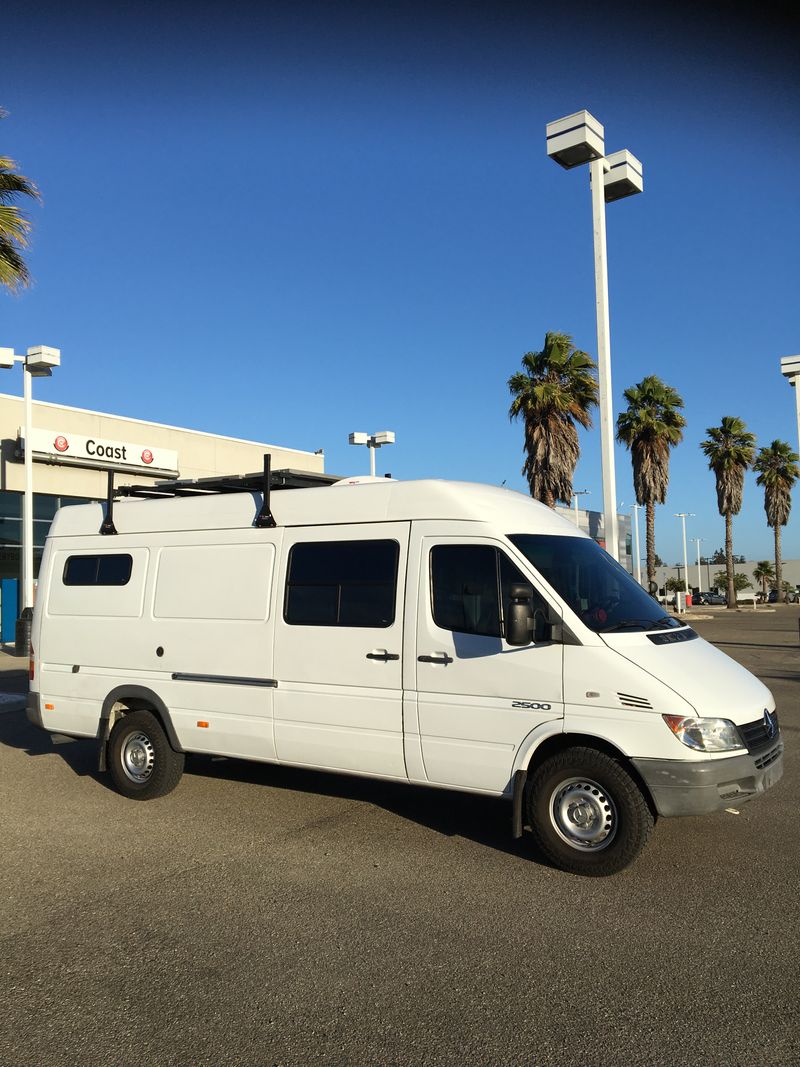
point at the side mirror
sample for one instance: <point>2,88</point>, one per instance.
<point>519,620</point>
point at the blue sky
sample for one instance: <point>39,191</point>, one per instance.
<point>287,222</point>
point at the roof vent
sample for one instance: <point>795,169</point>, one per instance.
<point>629,701</point>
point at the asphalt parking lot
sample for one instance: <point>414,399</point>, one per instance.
<point>261,915</point>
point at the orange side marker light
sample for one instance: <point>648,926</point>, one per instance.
<point>49,707</point>
<point>203,725</point>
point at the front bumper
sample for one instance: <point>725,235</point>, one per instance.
<point>684,787</point>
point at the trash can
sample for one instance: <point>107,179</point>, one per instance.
<point>22,633</point>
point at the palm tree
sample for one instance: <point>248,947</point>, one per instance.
<point>730,449</point>
<point>764,572</point>
<point>555,389</point>
<point>650,427</point>
<point>14,225</point>
<point>777,472</point>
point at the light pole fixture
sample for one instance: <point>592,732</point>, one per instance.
<point>790,369</point>
<point>698,541</point>
<point>38,363</point>
<point>372,441</point>
<point>575,495</point>
<point>572,141</point>
<point>683,516</point>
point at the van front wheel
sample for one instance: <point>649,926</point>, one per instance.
<point>142,762</point>
<point>587,814</point>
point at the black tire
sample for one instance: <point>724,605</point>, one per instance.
<point>586,812</point>
<point>142,762</point>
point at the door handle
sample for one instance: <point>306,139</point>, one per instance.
<point>382,654</point>
<point>439,657</point>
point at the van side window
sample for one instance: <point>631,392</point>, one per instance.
<point>98,570</point>
<point>471,588</point>
<point>342,583</point>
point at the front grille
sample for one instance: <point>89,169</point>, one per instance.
<point>768,757</point>
<point>757,735</point>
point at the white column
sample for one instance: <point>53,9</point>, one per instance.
<point>635,509</point>
<point>685,558</point>
<point>604,360</point>
<point>797,404</point>
<point>371,448</point>
<point>27,499</point>
<point>575,507</point>
<point>699,582</point>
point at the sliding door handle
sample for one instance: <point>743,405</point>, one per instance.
<point>438,657</point>
<point>382,654</point>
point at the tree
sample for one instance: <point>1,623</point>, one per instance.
<point>675,585</point>
<point>555,390</point>
<point>14,224</point>
<point>729,448</point>
<point>764,573</point>
<point>658,561</point>
<point>777,472</point>
<point>740,582</point>
<point>650,427</point>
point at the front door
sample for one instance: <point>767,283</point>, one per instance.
<point>338,647</point>
<point>478,697</point>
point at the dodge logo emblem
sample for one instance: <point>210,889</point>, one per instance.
<point>147,456</point>
<point>61,444</point>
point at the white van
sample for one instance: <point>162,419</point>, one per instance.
<point>438,633</point>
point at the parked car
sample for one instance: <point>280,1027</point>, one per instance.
<point>791,597</point>
<point>715,599</point>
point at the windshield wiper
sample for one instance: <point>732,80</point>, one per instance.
<point>639,624</point>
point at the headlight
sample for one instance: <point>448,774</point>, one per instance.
<point>705,735</point>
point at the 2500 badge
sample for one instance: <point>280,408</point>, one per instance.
<point>530,705</point>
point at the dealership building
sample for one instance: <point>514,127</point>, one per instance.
<point>73,450</point>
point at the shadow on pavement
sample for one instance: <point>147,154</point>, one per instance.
<point>484,820</point>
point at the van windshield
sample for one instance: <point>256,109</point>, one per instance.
<point>600,591</point>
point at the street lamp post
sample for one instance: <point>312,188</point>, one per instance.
<point>38,363</point>
<point>698,541</point>
<point>572,141</point>
<point>790,369</point>
<point>372,441</point>
<point>636,508</point>
<point>683,516</point>
<point>575,495</point>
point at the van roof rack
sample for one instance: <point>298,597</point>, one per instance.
<point>260,482</point>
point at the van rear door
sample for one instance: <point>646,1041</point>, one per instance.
<point>338,646</point>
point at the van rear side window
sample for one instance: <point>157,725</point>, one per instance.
<point>342,583</point>
<point>98,570</point>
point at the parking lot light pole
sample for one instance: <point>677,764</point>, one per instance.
<point>575,495</point>
<point>38,363</point>
<point>790,369</point>
<point>572,141</point>
<point>698,541</point>
<point>683,516</point>
<point>372,441</point>
<point>636,508</point>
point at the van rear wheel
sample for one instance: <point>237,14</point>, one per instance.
<point>142,762</point>
<point>586,812</point>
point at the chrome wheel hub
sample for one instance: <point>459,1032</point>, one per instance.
<point>583,814</point>
<point>138,757</point>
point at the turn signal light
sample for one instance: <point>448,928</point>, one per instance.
<point>49,707</point>
<point>202,725</point>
